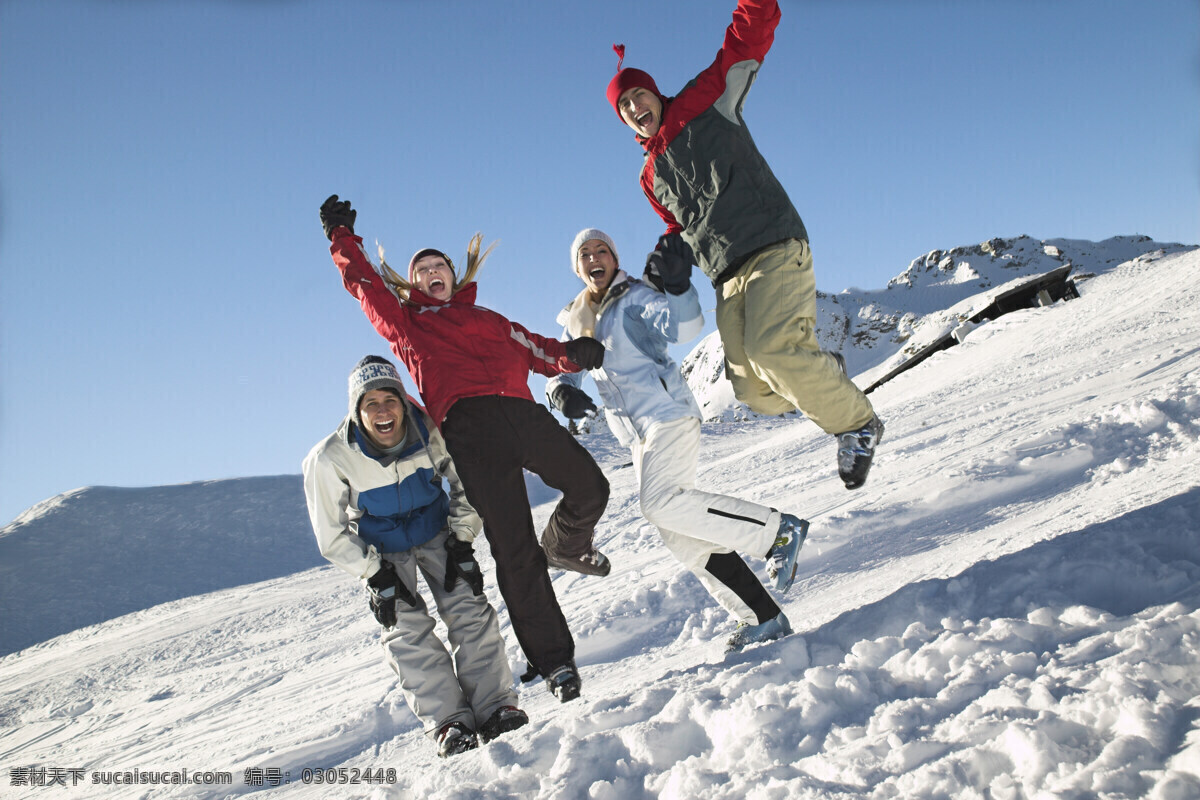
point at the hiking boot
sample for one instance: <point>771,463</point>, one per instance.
<point>564,682</point>
<point>593,562</point>
<point>781,558</point>
<point>455,738</point>
<point>775,628</point>
<point>505,719</point>
<point>855,451</point>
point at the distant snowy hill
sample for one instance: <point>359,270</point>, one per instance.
<point>877,330</point>
<point>1009,609</point>
<point>97,553</point>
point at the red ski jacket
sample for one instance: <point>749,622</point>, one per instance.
<point>453,349</point>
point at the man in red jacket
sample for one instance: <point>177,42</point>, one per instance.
<point>705,177</point>
<point>471,367</point>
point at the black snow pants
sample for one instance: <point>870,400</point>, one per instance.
<point>491,439</point>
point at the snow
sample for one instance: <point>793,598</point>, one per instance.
<point>247,530</point>
<point>1009,609</point>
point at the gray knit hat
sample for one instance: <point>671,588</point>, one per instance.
<point>373,372</point>
<point>586,235</point>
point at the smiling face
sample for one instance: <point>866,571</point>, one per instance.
<point>382,415</point>
<point>642,110</point>
<point>596,265</point>
<point>433,277</point>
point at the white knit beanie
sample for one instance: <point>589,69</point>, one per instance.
<point>586,235</point>
<point>373,372</point>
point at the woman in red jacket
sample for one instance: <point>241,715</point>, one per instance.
<point>471,366</point>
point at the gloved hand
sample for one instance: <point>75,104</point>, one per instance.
<point>461,563</point>
<point>385,586</point>
<point>572,403</point>
<point>669,266</point>
<point>335,214</point>
<point>586,352</point>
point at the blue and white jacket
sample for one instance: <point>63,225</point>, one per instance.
<point>361,506</point>
<point>639,383</point>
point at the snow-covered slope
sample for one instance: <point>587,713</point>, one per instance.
<point>878,330</point>
<point>96,553</point>
<point>1008,609</point>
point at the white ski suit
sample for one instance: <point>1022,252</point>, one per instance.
<point>365,510</point>
<point>650,408</point>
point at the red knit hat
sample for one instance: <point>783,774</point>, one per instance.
<point>626,79</point>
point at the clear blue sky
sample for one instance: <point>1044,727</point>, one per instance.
<point>168,308</point>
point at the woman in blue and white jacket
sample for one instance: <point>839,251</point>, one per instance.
<point>650,409</point>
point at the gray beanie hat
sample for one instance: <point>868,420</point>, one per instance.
<point>373,372</point>
<point>586,235</point>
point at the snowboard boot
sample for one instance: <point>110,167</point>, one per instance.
<point>855,451</point>
<point>781,558</point>
<point>593,562</point>
<point>455,738</point>
<point>775,628</point>
<point>564,682</point>
<point>505,719</point>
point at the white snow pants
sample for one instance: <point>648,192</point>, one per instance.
<point>694,524</point>
<point>467,688</point>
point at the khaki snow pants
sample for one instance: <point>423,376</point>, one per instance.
<point>766,314</point>
<point>467,687</point>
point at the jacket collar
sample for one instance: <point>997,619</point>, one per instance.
<point>578,318</point>
<point>464,295</point>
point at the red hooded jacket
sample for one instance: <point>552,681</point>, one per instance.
<point>453,349</point>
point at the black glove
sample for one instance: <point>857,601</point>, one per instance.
<point>571,402</point>
<point>461,563</point>
<point>335,214</point>
<point>385,586</point>
<point>586,352</point>
<point>669,266</point>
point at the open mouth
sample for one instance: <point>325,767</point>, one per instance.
<point>385,427</point>
<point>597,273</point>
<point>643,121</point>
<point>436,283</point>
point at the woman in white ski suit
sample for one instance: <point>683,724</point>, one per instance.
<point>371,509</point>
<point>651,410</point>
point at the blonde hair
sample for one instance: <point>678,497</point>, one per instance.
<point>401,285</point>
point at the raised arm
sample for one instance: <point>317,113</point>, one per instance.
<point>752,31</point>
<point>677,318</point>
<point>359,275</point>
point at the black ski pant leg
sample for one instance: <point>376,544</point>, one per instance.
<point>555,456</point>
<point>731,570</point>
<point>487,453</point>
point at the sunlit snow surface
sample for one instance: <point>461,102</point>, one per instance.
<point>1007,610</point>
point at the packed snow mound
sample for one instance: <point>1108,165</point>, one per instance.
<point>96,553</point>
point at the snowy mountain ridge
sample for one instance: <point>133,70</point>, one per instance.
<point>113,551</point>
<point>879,329</point>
